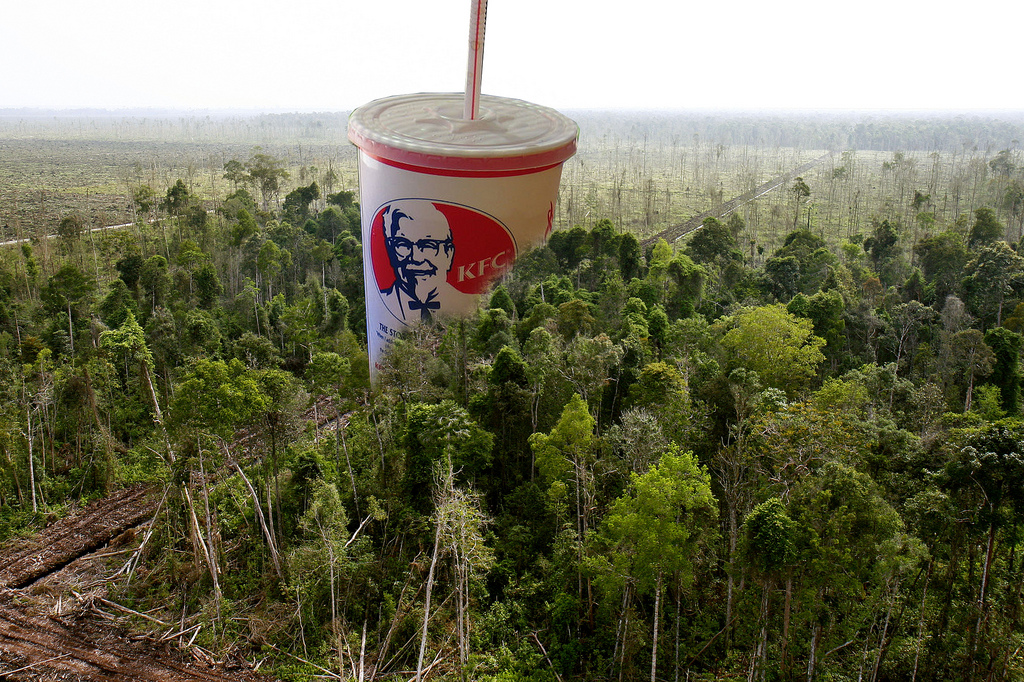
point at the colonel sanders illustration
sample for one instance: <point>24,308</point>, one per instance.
<point>419,245</point>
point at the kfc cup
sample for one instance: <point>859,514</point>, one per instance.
<point>448,203</point>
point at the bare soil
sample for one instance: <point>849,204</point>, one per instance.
<point>74,536</point>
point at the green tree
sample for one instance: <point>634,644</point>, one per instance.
<point>985,477</point>
<point>325,564</point>
<point>798,439</point>
<point>212,402</point>
<point>814,262</point>
<point>997,272</point>
<point>768,547</point>
<point>736,225</point>
<point>986,230</point>
<point>587,363</point>
<point>244,228</point>
<point>218,397</point>
<point>67,289</point>
<point>509,402</point>
<point>657,328</point>
<point>31,269</point>
<point>780,347</point>
<point>458,532</point>
<point>942,259</point>
<point>267,173</point>
<point>630,257</point>
<point>144,199</point>
<point>565,459</point>
<point>69,229</point>
<point>198,219</point>
<point>255,352</point>
<point>190,258</point>
<point>711,242</point>
<point>782,276</point>
<point>575,318</point>
<point>884,248</point>
<point>1006,347</point>
<point>972,358</point>
<point>129,268</point>
<point>688,278</point>
<point>177,198</point>
<point>903,323</point>
<point>638,439</point>
<point>116,305</point>
<point>826,309</point>
<point>336,312</point>
<point>342,199</point>
<point>540,352</point>
<point>920,200</point>
<point>207,285</point>
<point>436,432</point>
<point>270,262</point>
<point>659,384</point>
<point>605,238</point>
<point>800,191</point>
<point>327,373</point>
<point>732,463</point>
<point>656,530</point>
<point>155,280</point>
<point>570,246</point>
<point>850,546</point>
<point>296,203</point>
<point>1003,163</point>
<point>500,298</point>
<point>1012,202</point>
<point>330,224</point>
<point>200,336</point>
<point>128,344</point>
<point>234,172</point>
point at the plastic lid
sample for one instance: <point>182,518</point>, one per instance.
<point>427,130</point>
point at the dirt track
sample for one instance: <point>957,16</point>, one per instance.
<point>55,620</point>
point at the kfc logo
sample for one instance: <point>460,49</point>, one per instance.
<point>431,257</point>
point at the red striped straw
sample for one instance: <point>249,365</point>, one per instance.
<point>475,67</point>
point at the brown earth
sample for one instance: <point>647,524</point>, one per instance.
<point>56,622</point>
<point>74,536</point>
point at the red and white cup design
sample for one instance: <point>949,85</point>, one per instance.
<point>447,203</point>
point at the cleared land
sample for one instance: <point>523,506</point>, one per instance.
<point>56,622</point>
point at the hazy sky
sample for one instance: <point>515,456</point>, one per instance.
<point>313,55</point>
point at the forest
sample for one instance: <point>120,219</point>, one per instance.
<point>788,445</point>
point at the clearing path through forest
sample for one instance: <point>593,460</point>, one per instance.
<point>675,233</point>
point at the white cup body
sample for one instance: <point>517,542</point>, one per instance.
<point>434,242</point>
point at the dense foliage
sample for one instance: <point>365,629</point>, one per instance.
<point>663,461</point>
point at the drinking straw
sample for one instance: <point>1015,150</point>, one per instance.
<point>475,67</point>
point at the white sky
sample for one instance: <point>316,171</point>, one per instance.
<point>314,55</point>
